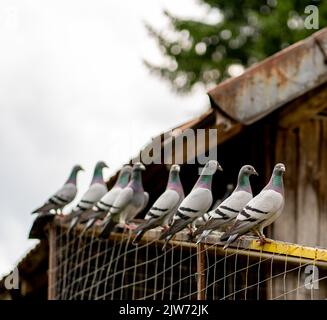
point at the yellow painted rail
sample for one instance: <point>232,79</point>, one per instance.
<point>281,250</point>
<point>290,249</point>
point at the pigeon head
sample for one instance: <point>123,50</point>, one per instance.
<point>279,169</point>
<point>138,166</point>
<point>175,168</point>
<point>276,180</point>
<point>205,179</point>
<point>243,182</point>
<point>136,179</point>
<point>77,168</point>
<point>174,181</point>
<point>101,165</point>
<point>248,170</point>
<point>211,167</point>
<point>72,177</point>
<point>97,175</point>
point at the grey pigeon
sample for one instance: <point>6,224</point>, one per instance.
<point>227,211</point>
<point>95,192</point>
<point>197,202</point>
<point>131,200</point>
<point>57,202</point>
<point>164,207</point>
<point>64,195</point>
<point>204,219</point>
<point>261,211</point>
<point>101,208</point>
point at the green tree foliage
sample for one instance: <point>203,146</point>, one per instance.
<point>248,31</point>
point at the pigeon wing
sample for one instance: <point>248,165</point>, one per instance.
<point>259,209</point>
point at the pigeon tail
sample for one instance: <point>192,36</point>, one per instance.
<point>164,234</point>
<point>167,239</point>
<point>45,208</point>
<point>107,229</point>
<point>87,226</point>
<point>147,225</point>
<point>198,231</point>
<point>177,226</point>
<point>138,237</point>
<point>203,236</point>
<point>37,210</point>
<point>90,224</point>
<point>225,236</point>
<point>72,224</point>
<point>231,239</point>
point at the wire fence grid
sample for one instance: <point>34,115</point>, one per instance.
<point>88,268</point>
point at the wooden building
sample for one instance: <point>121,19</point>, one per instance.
<point>276,111</point>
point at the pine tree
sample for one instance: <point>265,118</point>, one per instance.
<point>248,31</point>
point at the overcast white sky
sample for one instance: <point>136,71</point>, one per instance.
<point>73,89</point>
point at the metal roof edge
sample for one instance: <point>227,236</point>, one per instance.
<point>270,84</point>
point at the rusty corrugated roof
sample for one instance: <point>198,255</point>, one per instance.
<point>273,82</point>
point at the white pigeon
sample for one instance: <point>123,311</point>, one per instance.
<point>101,208</point>
<point>227,210</point>
<point>63,196</point>
<point>165,206</point>
<point>131,201</point>
<point>261,211</point>
<point>201,221</point>
<point>96,191</point>
<point>197,202</point>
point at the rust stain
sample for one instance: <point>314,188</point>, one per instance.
<point>282,71</point>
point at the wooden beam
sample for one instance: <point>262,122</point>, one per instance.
<point>304,107</point>
<point>201,279</point>
<point>224,134</point>
<point>52,263</point>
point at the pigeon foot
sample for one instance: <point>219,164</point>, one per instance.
<point>263,240</point>
<point>130,226</point>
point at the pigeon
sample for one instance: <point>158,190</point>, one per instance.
<point>197,202</point>
<point>57,202</point>
<point>231,206</point>
<point>63,196</point>
<point>165,206</point>
<point>261,211</point>
<point>101,208</point>
<point>204,219</point>
<point>131,201</point>
<point>95,192</point>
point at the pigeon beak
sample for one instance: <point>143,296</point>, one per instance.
<point>282,169</point>
<point>142,167</point>
<point>255,173</point>
<point>177,168</point>
<point>220,167</point>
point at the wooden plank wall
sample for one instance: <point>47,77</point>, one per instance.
<point>304,220</point>
<point>304,151</point>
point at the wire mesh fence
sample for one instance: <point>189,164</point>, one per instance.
<point>86,267</point>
